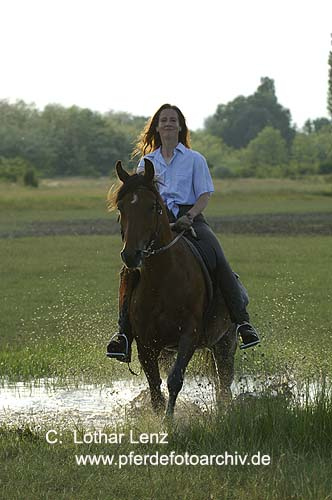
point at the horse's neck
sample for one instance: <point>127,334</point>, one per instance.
<point>163,262</point>
<point>166,235</point>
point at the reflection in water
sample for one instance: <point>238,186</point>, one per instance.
<point>45,401</point>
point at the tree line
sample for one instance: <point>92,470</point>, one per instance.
<point>61,141</point>
<point>249,136</point>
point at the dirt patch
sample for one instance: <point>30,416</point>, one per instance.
<point>269,224</point>
<point>278,224</point>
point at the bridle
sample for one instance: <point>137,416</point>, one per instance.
<point>150,250</point>
<point>154,251</point>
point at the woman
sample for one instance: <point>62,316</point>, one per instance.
<point>185,187</point>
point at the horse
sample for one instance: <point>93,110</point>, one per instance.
<point>168,304</point>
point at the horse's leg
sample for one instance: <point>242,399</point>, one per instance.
<point>186,349</point>
<point>223,354</point>
<point>149,361</point>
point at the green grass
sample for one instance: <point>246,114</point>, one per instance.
<point>72,199</point>
<point>60,303</point>
<point>60,293</point>
<point>55,200</point>
<point>297,439</point>
<point>268,196</point>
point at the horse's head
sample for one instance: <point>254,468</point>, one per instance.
<point>140,208</point>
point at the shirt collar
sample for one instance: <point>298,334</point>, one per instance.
<point>180,147</point>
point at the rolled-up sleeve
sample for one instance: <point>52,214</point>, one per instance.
<point>202,180</point>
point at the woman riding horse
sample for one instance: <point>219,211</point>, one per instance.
<point>185,186</point>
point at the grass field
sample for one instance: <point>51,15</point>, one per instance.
<point>86,199</point>
<point>60,293</point>
<point>295,441</point>
<point>60,303</point>
<point>59,306</point>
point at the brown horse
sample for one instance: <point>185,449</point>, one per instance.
<point>167,305</point>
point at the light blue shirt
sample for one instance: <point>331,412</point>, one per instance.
<point>183,180</point>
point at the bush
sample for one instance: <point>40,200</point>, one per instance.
<point>30,177</point>
<point>222,172</point>
<point>18,170</point>
<point>325,168</point>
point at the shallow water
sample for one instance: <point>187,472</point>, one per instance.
<point>45,402</point>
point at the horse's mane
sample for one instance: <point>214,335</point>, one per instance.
<point>135,181</point>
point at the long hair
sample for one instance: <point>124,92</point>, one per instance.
<point>149,139</point>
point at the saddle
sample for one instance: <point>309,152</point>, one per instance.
<point>210,283</point>
<point>209,276</point>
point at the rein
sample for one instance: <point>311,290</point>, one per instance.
<point>150,251</point>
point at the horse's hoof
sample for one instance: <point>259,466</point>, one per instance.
<point>168,419</point>
<point>169,415</point>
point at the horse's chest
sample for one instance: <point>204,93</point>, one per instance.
<point>156,315</point>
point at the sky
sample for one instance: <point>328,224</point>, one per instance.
<point>134,55</point>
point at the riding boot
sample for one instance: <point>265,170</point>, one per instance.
<point>236,302</point>
<point>119,346</point>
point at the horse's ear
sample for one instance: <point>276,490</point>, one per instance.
<point>122,174</point>
<point>148,170</point>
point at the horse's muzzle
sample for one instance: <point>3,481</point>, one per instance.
<point>132,259</point>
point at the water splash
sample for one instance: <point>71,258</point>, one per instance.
<point>46,402</point>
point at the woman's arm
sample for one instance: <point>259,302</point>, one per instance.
<point>184,222</point>
<point>199,206</point>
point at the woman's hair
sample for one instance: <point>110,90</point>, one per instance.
<point>149,139</point>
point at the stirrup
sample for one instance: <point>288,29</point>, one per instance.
<point>119,354</point>
<point>249,344</point>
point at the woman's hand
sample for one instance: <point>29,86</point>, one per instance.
<point>182,224</point>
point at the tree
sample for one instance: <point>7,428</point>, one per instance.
<point>18,170</point>
<point>324,144</point>
<point>304,154</point>
<point>218,155</point>
<point>316,125</point>
<point>66,141</point>
<point>312,152</point>
<point>16,123</point>
<point>212,147</point>
<point>240,121</point>
<point>268,149</point>
<point>329,96</point>
<point>81,142</point>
